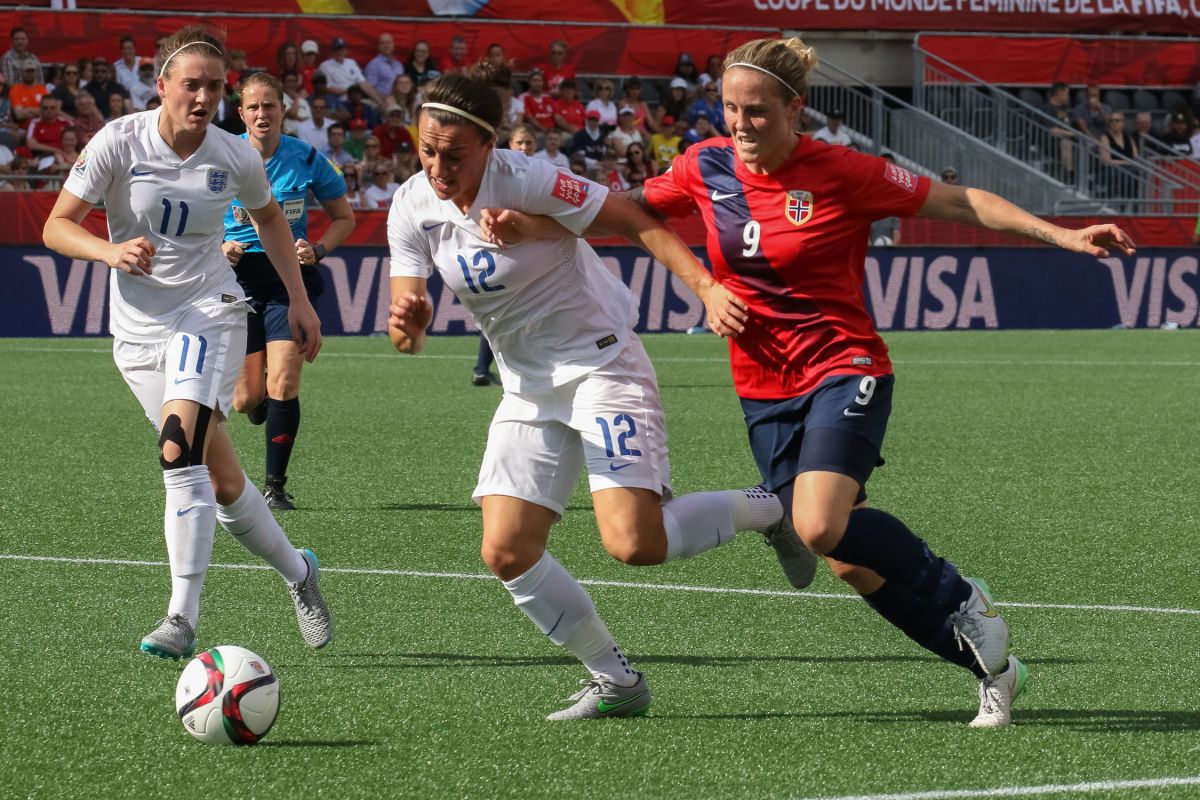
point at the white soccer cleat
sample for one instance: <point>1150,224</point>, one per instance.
<point>316,623</point>
<point>601,698</point>
<point>798,562</point>
<point>174,638</point>
<point>979,625</point>
<point>997,693</point>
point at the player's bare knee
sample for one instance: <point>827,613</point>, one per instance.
<point>506,562</point>
<point>638,549</point>
<point>820,532</point>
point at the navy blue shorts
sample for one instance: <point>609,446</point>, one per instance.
<point>268,298</point>
<point>837,427</point>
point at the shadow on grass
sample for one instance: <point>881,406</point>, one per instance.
<point>342,661</point>
<point>1090,721</point>
<point>443,507</point>
<point>318,743</point>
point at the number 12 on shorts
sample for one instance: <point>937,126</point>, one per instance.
<point>623,436</point>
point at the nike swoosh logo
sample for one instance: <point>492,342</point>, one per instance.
<point>183,511</point>
<point>604,707</point>
<point>185,380</point>
<point>717,196</point>
<point>615,468</point>
<point>847,412</point>
<point>991,611</point>
<point>135,173</point>
<point>431,227</point>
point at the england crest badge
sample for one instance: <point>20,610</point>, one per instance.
<point>218,179</point>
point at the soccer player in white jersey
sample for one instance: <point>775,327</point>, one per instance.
<point>578,386</point>
<point>178,316</point>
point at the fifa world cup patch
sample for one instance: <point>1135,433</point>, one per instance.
<point>81,162</point>
<point>241,215</point>
<point>901,177</point>
<point>607,341</point>
<point>570,189</point>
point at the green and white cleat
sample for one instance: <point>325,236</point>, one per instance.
<point>316,623</point>
<point>997,693</point>
<point>600,698</point>
<point>979,625</point>
<point>174,638</point>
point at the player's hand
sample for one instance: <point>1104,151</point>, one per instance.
<point>305,253</point>
<point>727,314</point>
<point>306,327</point>
<point>233,251</point>
<point>410,313</point>
<point>1098,240</point>
<point>504,227</point>
<point>132,256</point>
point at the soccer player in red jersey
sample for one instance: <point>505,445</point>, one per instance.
<point>788,221</point>
<point>787,228</point>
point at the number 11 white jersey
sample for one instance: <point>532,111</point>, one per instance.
<point>551,309</point>
<point>178,204</point>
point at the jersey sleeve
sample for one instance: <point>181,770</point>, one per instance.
<point>882,189</point>
<point>327,180</point>
<point>94,170</point>
<point>256,191</point>
<point>669,192</point>
<point>410,254</point>
<point>571,200</point>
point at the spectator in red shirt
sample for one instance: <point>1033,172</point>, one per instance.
<point>88,119</point>
<point>458,61</point>
<point>308,63</point>
<point>44,137</point>
<point>569,114</point>
<point>539,106</point>
<point>556,69</point>
<point>392,133</point>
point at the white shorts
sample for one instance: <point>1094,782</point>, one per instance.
<point>611,420</point>
<point>200,361</point>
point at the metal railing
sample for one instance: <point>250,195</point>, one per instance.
<point>1156,182</point>
<point>879,121</point>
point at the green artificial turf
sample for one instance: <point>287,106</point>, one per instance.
<point>1060,466</point>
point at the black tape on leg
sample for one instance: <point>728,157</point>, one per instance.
<point>172,432</point>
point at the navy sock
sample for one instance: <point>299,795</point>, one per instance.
<point>484,362</point>
<point>283,421</point>
<point>925,624</point>
<point>877,540</point>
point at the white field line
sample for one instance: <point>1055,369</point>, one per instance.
<point>950,362</point>
<point>1026,791</point>
<point>665,587</point>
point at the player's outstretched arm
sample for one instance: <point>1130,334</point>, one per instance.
<point>277,241</point>
<point>409,314</point>
<point>986,210</point>
<point>64,233</point>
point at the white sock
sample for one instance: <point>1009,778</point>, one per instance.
<point>188,523</point>
<point>253,526</point>
<point>703,520</point>
<point>755,509</point>
<point>563,611</point>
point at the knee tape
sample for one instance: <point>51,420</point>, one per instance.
<point>172,431</point>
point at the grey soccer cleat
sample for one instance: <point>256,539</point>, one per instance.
<point>979,625</point>
<point>600,698</point>
<point>174,638</point>
<point>997,693</point>
<point>798,562</point>
<point>316,623</point>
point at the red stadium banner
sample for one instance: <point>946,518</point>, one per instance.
<point>58,36</point>
<point>1050,16</point>
<point>1042,60</point>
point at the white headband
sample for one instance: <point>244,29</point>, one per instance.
<point>772,74</point>
<point>162,73</point>
<point>465,114</point>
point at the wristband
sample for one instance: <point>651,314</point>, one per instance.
<point>319,252</point>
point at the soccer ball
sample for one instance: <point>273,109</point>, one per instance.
<point>227,695</point>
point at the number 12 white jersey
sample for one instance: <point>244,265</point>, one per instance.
<point>178,204</point>
<point>550,309</point>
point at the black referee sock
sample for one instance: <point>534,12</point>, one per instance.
<point>283,421</point>
<point>927,625</point>
<point>877,540</point>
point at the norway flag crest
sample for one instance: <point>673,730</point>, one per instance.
<point>799,206</point>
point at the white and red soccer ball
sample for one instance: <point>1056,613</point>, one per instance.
<point>227,695</point>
